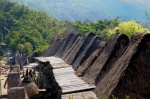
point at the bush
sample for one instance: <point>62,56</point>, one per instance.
<point>128,28</point>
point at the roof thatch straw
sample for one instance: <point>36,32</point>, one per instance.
<point>75,53</point>
<point>69,44</point>
<point>88,63</point>
<point>17,93</point>
<point>51,51</point>
<point>47,51</point>
<point>72,47</point>
<point>17,56</point>
<point>130,75</point>
<point>86,51</point>
<point>15,67</point>
<point>64,44</point>
<point>56,47</point>
<point>115,46</point>
<point>13,79</point>
<point>26,61</point>
<point>31,88</point>
<point>29,85</point>
<point>81,70</point>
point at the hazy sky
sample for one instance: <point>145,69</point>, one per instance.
<point>140,2</point>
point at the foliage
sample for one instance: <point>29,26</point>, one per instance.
<point>30,30</point>
<point>127,97</point>
<point>100,27</point>
<point>128,28</point>
<point>113,97</point>
<point>27,30</point>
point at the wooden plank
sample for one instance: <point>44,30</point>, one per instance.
<point>69,82</point>
<point>55,62</point>
<point>76,88</point>
<point>42,59</point>
<point>80,95</point>
<point>67,73</point>
<point>65,76</point>
<point>31,65</point>
<point>61,70</point>
<point>60,65</point>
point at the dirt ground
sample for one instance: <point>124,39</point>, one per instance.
<point>4,91</point>
<point>3,79</point>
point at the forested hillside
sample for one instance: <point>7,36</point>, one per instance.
<point>90,9</point>
<point>27,30</point>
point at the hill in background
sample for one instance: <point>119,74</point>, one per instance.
<point>90,9</point>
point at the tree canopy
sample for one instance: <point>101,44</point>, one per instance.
<point>128,28</point>
<point>27,30</point>
<point>100,27</point>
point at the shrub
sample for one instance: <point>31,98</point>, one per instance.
<point>128,28</point>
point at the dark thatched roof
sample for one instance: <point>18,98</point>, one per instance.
<point>64,44</point>
<point>113,49</point>
<point>17,93</point>
<point>86,51</point>
<point>86,65</point>
<point>130,75</point>
<point>69,44</point>
<point>13,79</point>
<point>79,47</point>
<point>72,47</point>
<point>51,50</point>
<point>31,88</point>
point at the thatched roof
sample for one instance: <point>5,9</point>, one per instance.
<point>74,54</point>
<point>15,67</point>
<point>17,56</point>
<point>72,47</point>
<point>130,75</point>
<point>26,61</point>
<point>69,44</point>
<point>31,88</point>
<point>113,49</point>
<point>13,79</point>
<point>17,93</point>
<point>55,45</point>
<point>64,44</point>
<point>87,51</point>
<point>88,63</point>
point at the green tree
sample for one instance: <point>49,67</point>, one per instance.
<point>128,28</point>
<point>100,27</point>
<point>20,25</point>
<point>28,49</point>
<point>20,47</point>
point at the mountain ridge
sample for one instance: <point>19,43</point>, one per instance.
<point>92,9</point>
